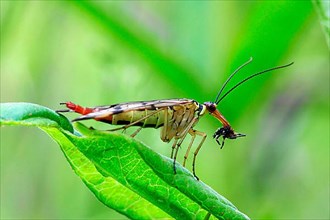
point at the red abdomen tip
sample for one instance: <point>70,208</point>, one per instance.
<point>71,105</point>
<point>78,108</point>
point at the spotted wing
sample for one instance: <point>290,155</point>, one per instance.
<point>105,111</point>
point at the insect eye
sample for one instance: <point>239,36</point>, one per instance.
<point>211,107</point>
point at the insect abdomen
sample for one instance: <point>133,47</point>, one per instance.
<point>156,120</point>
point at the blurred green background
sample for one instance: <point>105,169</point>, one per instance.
<point>105,52</point>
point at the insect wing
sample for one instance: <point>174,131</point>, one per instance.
<point>105,111</point>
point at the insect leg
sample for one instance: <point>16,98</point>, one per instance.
<point>193,135</point>
<point>136,132</point>
<point>197,150</point>
<point>176,148</point>
<point>173,147</point>
<point>182,136</point>
<point>137,121</point>
<point>164,128</point>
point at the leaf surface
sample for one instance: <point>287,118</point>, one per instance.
<point>123,173</point>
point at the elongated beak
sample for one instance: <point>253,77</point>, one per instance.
<point>220,117</point>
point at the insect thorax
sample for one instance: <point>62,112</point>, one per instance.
<point>179,118</point>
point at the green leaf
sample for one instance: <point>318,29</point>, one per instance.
<point>32,115</point>
<point>123,173</point>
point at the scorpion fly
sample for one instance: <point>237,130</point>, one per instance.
<point>175,117</point>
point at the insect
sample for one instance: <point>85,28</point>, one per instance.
<point>175,117</point>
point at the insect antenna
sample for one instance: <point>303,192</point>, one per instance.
<point>229,78</point>
<point>250,77</point>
